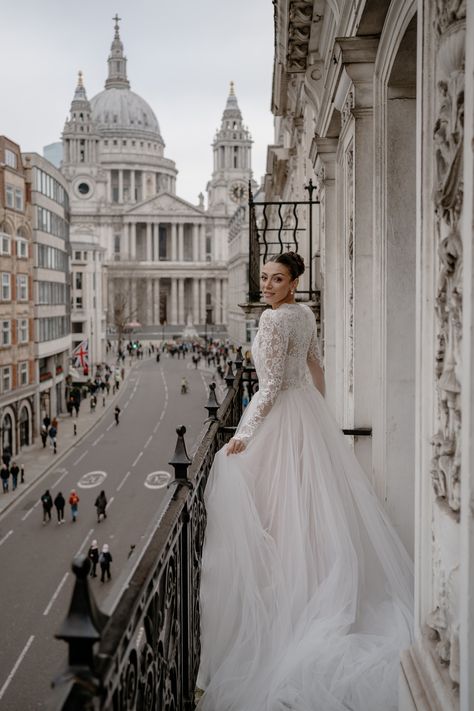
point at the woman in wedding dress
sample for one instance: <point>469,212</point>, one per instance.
<point>306,590</point>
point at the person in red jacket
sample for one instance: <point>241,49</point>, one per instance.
<point>73,502</point>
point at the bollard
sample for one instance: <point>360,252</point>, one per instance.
<point>75,429</point>
<point>103,401</point>
<point>22,475</point>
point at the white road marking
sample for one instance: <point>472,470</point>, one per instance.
<point>123,481</point>
<point>137,459</point>
<point>110,502</point>
<point>16,665</point>
<point>60,479</point>
<point>158,480</point>
<point>110,426</point>
<point>148,441</point>
<point>81,457</point>
<point>92,479</point>
<point>23,518</point>
<point>56,593</point>
<point>97,440</point>
<point>7,535</point>
<point>84,542</point>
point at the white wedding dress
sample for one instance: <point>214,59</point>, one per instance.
<point>306,591</point>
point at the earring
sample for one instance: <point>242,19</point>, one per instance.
<point>292,291</point>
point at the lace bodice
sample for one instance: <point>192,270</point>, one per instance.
<point>285,343</point>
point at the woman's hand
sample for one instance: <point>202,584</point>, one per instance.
<point>235,446</point>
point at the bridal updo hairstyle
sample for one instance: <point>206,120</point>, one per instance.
<point>292,261</point>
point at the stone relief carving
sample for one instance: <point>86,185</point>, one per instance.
<point>299,31</point>
<point>346,112</point>
<point>447,204</point>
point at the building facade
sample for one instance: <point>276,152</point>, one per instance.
<point>140,253</point>
<point>51,285</point>
<point>17,357</point>
<point>373,101</point>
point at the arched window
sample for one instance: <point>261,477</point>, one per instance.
<point>24,427</point>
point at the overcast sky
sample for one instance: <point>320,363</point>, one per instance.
<point>181,55</point>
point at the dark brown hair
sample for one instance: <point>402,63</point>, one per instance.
<point>291,260</point>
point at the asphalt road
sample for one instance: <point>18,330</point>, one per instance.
<point>129,461</point>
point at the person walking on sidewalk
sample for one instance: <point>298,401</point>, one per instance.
<point>47,502</point>
<point>105,560</point>
<point>73,503</point>
<point>117,414</point>
<point>5,474</point>
<point>52,436</point>
<point>44,435</point>
<point>14,471</point>
<point>60,503</point>
<point>93,556</point>
<point>101,505</point>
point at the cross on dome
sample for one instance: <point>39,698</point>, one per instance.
<point>117,27</point>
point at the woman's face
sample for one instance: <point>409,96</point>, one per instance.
<point>276,284</point>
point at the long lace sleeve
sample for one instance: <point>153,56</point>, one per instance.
<point>314,354</point>
<point>272,348</point>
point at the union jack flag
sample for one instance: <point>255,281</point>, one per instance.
<point>80,355</point>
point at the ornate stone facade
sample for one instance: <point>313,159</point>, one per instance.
<point>369,102</point>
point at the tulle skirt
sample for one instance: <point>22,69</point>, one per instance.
<point>306,591</point>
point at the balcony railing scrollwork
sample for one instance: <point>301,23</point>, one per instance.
<point>145,656</point>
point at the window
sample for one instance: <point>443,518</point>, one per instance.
<point>10,196</point>
<point>6,286</point>
<point>78,302</point>
<point>6,378</point>
<point>22,248</point>
<point>18,199</point>
<point>23,330</point>
<point>10,158</point>
<point>5,246</point>
<point>6,333</point>
<point>78,276</point>
<point>23,373</point>
<point>22,287</point>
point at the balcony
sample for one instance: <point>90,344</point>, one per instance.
<point>146,654</point>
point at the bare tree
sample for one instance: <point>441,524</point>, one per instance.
<point>122,312</point>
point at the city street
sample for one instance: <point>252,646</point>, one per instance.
<point>128,461</point>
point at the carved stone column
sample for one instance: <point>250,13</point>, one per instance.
<point>434,662</point>
<point>196,318</point>
<point>133,241</point>
<point>356,165</point>
<point>148,241</point>
<point>218,300</point>
<point>174,243</point>
<point>202,302</point>
<point>149,301</point>
<point>180,242</point>
<point>174,301</point>
<point>325,168</point>
<point>181,318</point>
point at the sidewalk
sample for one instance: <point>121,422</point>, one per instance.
<point>37,460</point>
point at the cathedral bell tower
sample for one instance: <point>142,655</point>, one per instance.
<point>232,147</point>
<point>80,141</point>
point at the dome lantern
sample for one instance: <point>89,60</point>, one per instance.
<point>117,62</point>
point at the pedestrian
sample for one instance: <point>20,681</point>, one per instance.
<point>52,436</point>
<point>5,474</point>
<point>101,505</point>
<point>60,503</point>
<point>105,560</point>
<point>44,435</point>
<point>93,556</point>
<point>46,421</point>
<point>73,502</point>
<point>93,403</point>
<point>14,471</point>
<point>117,414</point>
<point>47,502</point>
<point>6,456</point>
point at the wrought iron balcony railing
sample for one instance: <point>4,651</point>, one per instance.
<point>275,227</point>
<point>146,654</point>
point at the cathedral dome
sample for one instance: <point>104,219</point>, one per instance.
<point>119,111</point>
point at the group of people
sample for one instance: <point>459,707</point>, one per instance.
<point>59,503</point>
<point>10,470</point>
<point>103,559</point>
<point>49,429</point>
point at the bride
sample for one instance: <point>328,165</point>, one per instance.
<point>306,591</point>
